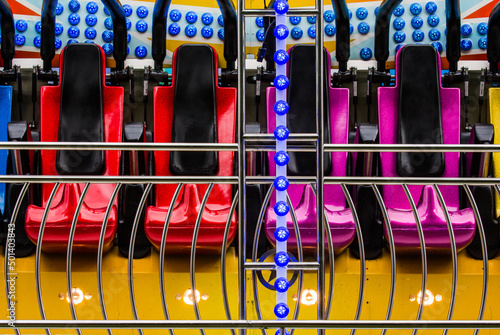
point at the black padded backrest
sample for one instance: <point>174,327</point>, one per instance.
<point>195,110</point>
<point>81,116</point>
<point>419,118</point>
<point>301,117</point>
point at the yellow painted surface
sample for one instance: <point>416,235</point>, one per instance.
<point>494,115</point>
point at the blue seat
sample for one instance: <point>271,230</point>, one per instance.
<point>5,112</point>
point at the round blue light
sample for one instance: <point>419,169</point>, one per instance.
<point>466,30</point>
<point>90,42</point>
<point>281,234</point>
<point>73,19</point>
<point>281,107</point>
<point>128,23</point>
<point>58,29</point>
<point>431,7</point>
<point>483,43</point>
<point>418,35</point>
<point>281,183</point>
<point>281,310</point>
<point>59,8</point>
<point>91,20</point>
<point>142,11</point>
<point>438,46</point>
<point>207,32</point>
<point>141,26</point>
<point>175,15</point>
<point>330,29</point>
<point>38,27</point>
<point>128,10</point>
<point>466,44</point>
<point>281,258</point>
<point>417,22</point>
<point>281,208</point>
<point>174,29</point>
<point>37,41</point>
<point>259,21</point>
<point>296,33</point>
<point>311,19</point>
<point>416,8</point>
<point>191,17</point>
<point>399,37</point>
<point>482,28</point>
<point>363,28</point>
<point>74,6</point>
<point>73,32</point>
<point>376,10</point>
<point>278,332</point>
<point>106,11</point>
<point>190,30</point>
<point>107,35</point>
<point>281,32</point>
<point>141,51</point>
<point>21,25</point>
<point>260,34</point>
<point>434,34</point>
<point>281,133</point>
<point>207,18</point>
<point>90,33</point>
<point>400,10</point>
<point>329,16</point>
<point>129,37</point>
<point>399,23</point>
<point>281,82</point>
<point>220,20</point>
<point>311,31</point>
<point>108,49</point>
<point>108,23</point>
<point>351,29</point>
<point>281,7</point>
<point>366,53</point>
<point>281,284</point>
<point>350,14</point>
<point>71,41</point>
<point>19,39</point>
<point>361,13</point>
<point>128,50</point>
<point>295,20</point>
<point>220,33</point>
<point>433,20</point>
<point>399,46</point>
<point>92,7</point>
<point>281,158</point>
<point>281,57</point>
<point>58,43</point>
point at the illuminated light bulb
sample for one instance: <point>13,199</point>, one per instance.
<point>90,33</point>
<point>281,310</point>
<point>281,183</point>
<point>281,259</point>
<point>281,57</point>
<point>281,32</point>
<point>281,208</point>
<point>281,158</point>
<point>281,82</point>
<point>281,234</point>
<point>281,107</point>
<point>281,7</point>
<point>308,297</point>
<point>187,297</point>
<point>281,284</point>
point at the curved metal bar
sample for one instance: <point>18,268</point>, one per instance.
<point>100,252</point>
<point>119,32</point>
<point>13,219</point>
<point>69,253</point>
<point>131,252</point>
<point>223,260</point>
<point>162,255</point>
<point>422,251</point>
<point>193,253</point>
<point>8,33</point>
<point>454,255</point>
<point>392,250</point>
<point>39,251</point>
<point>484,249</point>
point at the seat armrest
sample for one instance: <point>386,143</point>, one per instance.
<point>22,160</point>
<point>477,163</point>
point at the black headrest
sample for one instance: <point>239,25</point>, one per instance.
<point>301,117</point>
<point>81,116</point>
<point>419,118</point>
<point>195,110</point>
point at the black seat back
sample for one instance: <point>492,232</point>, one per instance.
<point>301,117</point>
<point>195,110</point>
<point>419,118</point>
<point>81,115</point>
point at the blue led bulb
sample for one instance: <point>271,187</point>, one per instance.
<point>220,20</point>
<point>92,42</point>
<point>58,29</point>
<point>106,10</point>
<point>281,107</point>
<point>399,23</point>
<point>482,28</point>
<point>281,57</point>
<point>278,332</point>
<point>361,13</point>
<point>128,10</point>
<point>399,46</point>
<point>37,41</point>
<point>281,32</point>
<point>433,20</point>
<point>108,23</point>
<point>431,7</point>
<point>259,21</point>
<point>129,37</point>
<point>417,22</point>
<point>92,7</point>
<point>311,19</point>
<point>434,34</point>
<point>329,15</point>
<point>91,20</point>
<point>207,32</point>
<point>107,35</point>
<point>207,18</point>
<point>416,8</point>
<point>281,183</point>
<point>74,6</point>
<point>363,28</point>
<point>281,234</point>
<point>191,17</point>
<point>281,82</point>
<point>174,29</point>
<point>175,15</point>
<point>59,8</point>
<point>295,20</point>
<point>38,27</point>
<point>58,43</point>
<point>438,46</point>
<point>281,258</point>
<point>190,30</point>
<point>220,33</point>
<point>418,35</point>
<point>330,29</point>
<point>260,34</point>
<point>141,26</point>
<point>466,30</point>
<point>376,10</point>
<point>400,10</point>
<point>19,39</point>
<point>128,51</point>
<point>141,51</point>
<point>142,11</point>
<point>350,14</point>
<point>366,53</point>
<point>281,208</point>
<point>128,23</point>
<point>21,25</point>
<point>399,37</point>
<point>108,49</point>
<point>73,32</point>
<point>466,44</point>
<point>296,33</point>
<point>311,31</point>
<point>281,310</point>
<point>281,284</point>
<point>71,41</point>
<point>281,158</point>
<point>73,19</point>
<point>281,133</point>
<point>483,43</point>
<point>90,33</point>
<point>351,29</point>
<point>281,7</point>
